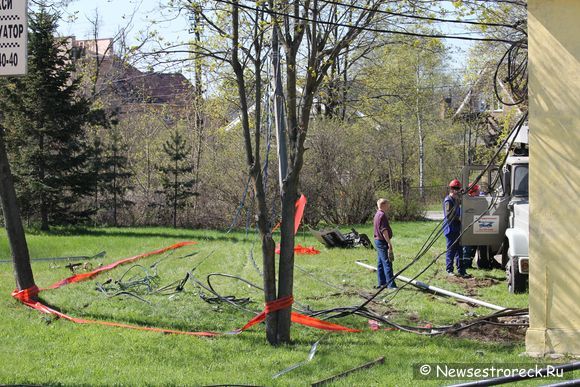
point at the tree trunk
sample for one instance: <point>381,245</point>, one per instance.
<point>420,133</point>
<point>286,264</point>
<point>199,120</point>
<point>14,229</point>
<point>268,256</point>
<point>255,171</point>
<point>403,158</point>
<point>175,188</point>
<point>43,203</point>
<point>279,109</point>
<point>115,189</point>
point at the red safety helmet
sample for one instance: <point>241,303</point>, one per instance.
<point>455,184</point>
<point>474,189</point>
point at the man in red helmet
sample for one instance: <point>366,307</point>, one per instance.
<point>452,229</point>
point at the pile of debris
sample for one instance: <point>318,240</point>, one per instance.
<point>334,238</point>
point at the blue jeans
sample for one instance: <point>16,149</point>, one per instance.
<point>454,254</point>
<point>384,266</point>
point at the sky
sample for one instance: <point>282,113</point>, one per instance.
<point>116,14</point>
<point>137,16</point>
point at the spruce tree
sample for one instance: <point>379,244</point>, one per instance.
<point>116,174</point>
<point>176,173</point>
<point>44,118</point>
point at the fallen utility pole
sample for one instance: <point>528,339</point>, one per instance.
<point>424,286</point>
<point>380,360</point>
<point>84,257</point>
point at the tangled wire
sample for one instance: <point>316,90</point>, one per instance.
<point>515,63</point>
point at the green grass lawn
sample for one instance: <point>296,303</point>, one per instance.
<point>38,349</point>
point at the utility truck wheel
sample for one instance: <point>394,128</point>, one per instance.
<point>505,259</point>
<point>516,281</point>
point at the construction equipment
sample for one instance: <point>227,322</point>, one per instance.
<point>497,220</point>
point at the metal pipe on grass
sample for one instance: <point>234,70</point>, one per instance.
<point>424,286</point>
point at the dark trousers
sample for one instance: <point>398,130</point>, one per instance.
<point>468,254</point>
<point>384,266</point>
<point>454,254</point>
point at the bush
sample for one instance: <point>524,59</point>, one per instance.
<point>401,209</point>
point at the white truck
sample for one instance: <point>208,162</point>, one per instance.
<point>497,220</point>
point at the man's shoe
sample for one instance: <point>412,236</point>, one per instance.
<point>465,275</point>
<point>450,274</point>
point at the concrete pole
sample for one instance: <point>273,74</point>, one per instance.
<point>280,119</point>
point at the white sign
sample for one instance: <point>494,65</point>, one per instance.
<point>488,224</point>
<point>13,37</point>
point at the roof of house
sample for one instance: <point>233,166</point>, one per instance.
<point>133,85</point>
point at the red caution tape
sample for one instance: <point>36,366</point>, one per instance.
<point>25,296</point>
<point>89,275</point>
<point>272,306</point>
<point>28,297</point>
<point>298,213</point>
<point>286,302</point>
<point>301,250</point>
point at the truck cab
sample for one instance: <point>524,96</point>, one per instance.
<point>497,221</point>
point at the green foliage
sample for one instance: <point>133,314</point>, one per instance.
<point>109,174</point>
<point>44,119</point>
<point>401,208</point>
<point>401,97</point>
<point>340,176</point>
<point>176,172</point>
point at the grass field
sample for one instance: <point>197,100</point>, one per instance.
<point>39,349</point>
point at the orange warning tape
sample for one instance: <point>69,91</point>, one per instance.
<point>286,302</point>
<point>298,213</point>
<point>301,250</point>
<point>89,275</point>
<point>28,297</point>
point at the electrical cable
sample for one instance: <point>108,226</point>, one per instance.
<point>399,14</point>
<point>517,76</point>
<point>367,29</point>
<point>240,206</point>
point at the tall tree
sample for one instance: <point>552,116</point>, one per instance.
<point>302,28</point>
<point>109,172</point>
<point>403,88</point>
<point>118,174</point>
<point>44,118</point>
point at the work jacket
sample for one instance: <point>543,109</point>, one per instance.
<point>451,216</point>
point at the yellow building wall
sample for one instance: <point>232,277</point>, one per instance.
<point>554,121</point>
